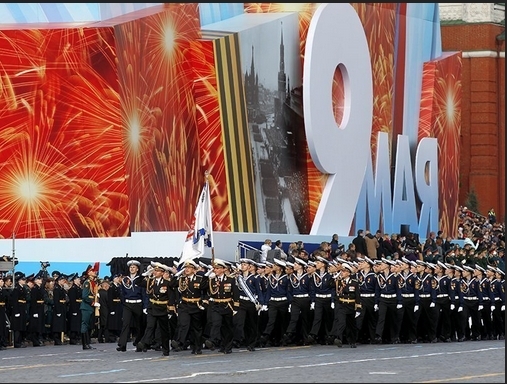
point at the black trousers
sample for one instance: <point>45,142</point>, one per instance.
<point>388,314</point>
<point>132,316</point>
<point>299,318</point>
<point>366,322</point>
<point>345,322</point>
<point>408,329</point>
<point>246,323</point>
<point>190,324</point>
<point>278,312</point>
<point>222,327</point>
<point>323,317</point>
<point>152,322</point>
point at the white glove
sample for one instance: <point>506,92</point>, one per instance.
<point>210,274</point>
<point>312,306</point>
<point>332,305</point>
<point>200,307</point>
<point>399,306</point>
<point>375,308</point>
<point>432,305</point>
<point>289,307</point>
<point>452,307</point>
<point>257,307</point>
<point>481,307</point>
<point>460,309</point>
<point>112,313</point>
<point>96,304</point>
<point>145,311</point>
<point>264,308</point>
<point>502,308</point>
<point>17,315</point>
<point>169,316</point>
<point>416,308</point>
<point>493,308</point>
<point>357,314</point>
<point>36,315</point>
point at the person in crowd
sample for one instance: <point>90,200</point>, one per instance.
<point>18,309</point>
<point>75,294</point>
<point>60,308</point>
<point>36,312</point>
<point>89,301</point>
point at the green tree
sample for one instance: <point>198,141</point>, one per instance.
<point>471,201</point>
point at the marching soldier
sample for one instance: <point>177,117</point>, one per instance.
<point>323,303</point>
<point>488,302</point>
<point>300,305</point>
<point>223,298</point>
<point>443,302</point>
<point>457,314</point>
<point>428,318</point>
<point>409,285</point>
<point>367,285</point>
<point>472,295</point>
<point>134,299</point>
<point>18,309</point>
<point>191,287</point>
<point>60,301</point>
<point>263,272</point>
<point>389,302</point>
<point>498,288</point>
<point>162,304</point>
<point>75,294</point>
<point>348,306</point>
<point>246,320</point>
<point>278,297</point>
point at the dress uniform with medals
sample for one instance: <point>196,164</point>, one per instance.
<point>89,301</point>
<point>223,298</point>
<point>347,308</point>
<point>443,302</point>
<point>472,296</point>
<point>191,288</point>
<point>457,314</point>
<point>162,303</point>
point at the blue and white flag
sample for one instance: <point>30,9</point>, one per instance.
<point>200,234</point>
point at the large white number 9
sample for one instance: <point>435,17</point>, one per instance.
<point>336,39</point>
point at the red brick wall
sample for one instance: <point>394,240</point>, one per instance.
<point>482,165</point>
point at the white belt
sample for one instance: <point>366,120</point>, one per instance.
<point>323,296</point>
<point>407,295</point>
<point>485,298</point>
<point>387,296</point>
<point>443,295</point>
<point>471,298</point>
<point>497,299</point>
<point>244,298</point>
<point>367,295</point>
<point>425,295</point>
<point>278,298</point>
<point>306,295</point>
<point>133,301</point>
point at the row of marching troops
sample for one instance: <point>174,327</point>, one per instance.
<point>225,305</point>
<point>40,309</point>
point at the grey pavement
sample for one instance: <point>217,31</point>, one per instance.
<point>466,362</point>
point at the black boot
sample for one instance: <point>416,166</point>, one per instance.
<point>84,341</point>
<point>89,341</point>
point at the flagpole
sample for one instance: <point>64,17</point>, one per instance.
<point>206,177</point>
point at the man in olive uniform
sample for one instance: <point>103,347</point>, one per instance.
<point>88,304</point>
